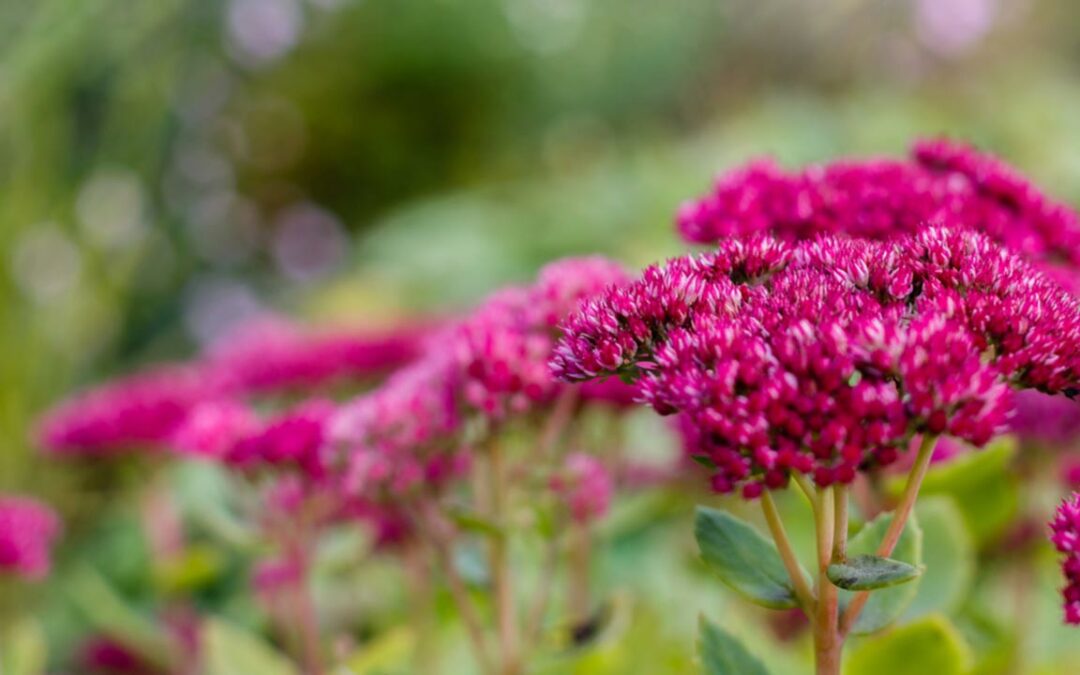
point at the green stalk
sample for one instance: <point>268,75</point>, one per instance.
<point>505,609</point>
<point>896,527</point>
<point>787,554</point>
<point>827,639</point>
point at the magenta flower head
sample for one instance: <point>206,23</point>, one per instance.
<point>273,354</point>
<point>585,485</point>
<point>942,184</point>
<point>293,441</point>
<point>825,357</point>
<point>212,428</point>
<point>502,348</point>
<point>142,410</point>
<point>414,433</point>
<point>27,531</point>
<point>274,575</point>
<point>1046,419</point>
<point>397,436</point>
<point>1065,534</point>
<point>1070,472</point>
<point>102,655</point>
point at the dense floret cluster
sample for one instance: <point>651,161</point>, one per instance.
<point>826,357</point>
<point>942,184</point>
<point>410,433</point>
<point>1065,533</point>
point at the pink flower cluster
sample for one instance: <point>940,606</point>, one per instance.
<point>271,355</point>
<point>942,184</point>
<point>585,485</point>
<point>403,435</point>
<point>826,357</point>
<point>1046,419</point>
<point>140,411</point>
<point>27,531</point>
<point>412,434</point>
<point>148,409</point>
<point>1065,534</point>
<point>501,351</point>
<point>293,441</point>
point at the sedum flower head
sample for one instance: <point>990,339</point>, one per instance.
<point>272,354</point>
<point>415,431</point>
<point>1065,534</point>
<point>1052,420</point>
<point>27,531</point>
<point>153,409</point>
<point>293,441</point>
<point>401,434</point>
<point>942,183</point>
<point>142,410</point>
<point>213,427</point>
<point>502,349</point>
<point>825,357</point>
<point>585,485</point>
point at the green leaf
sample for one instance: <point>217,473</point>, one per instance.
<point>231,650</point>
<point>948,556</point>
<point>743,559</point>
<point>704,461</point>
<point>109,613</point>
<point>722,654</point>
<point>386,652</point>
<point>931,645</point>
<point>885,605</point>
<point>870,572</point>
<point>472,522</point>
<point>197,567</point>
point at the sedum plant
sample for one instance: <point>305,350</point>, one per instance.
<point>812,363</point>
<point>834,327</point>
<point>847,318</point>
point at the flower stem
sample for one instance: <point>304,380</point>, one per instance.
<point>439,537</point>
<point>791,563</point>
<point>307,621</point>
<point>422,606</point>
<point>840,512</point>
<point>828,642</point>
<point>804,486</point>
<point>578,583</point>
<point>825,521</point>
<point>534,626</point>
<point>505,610</point>
<point>896,527</point>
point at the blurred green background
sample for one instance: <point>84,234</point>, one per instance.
<point>170,167</point>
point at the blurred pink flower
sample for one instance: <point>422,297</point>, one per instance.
<point>272,354</point>
<point>586,486</point>
<point>213,427</point>
<point>943,183</point>
<point>150,410</point>
<point>1046,419</point>
<point>28,529</point>
<point>1065,535</point>
<point>101,655</point>
<point>138,411</point>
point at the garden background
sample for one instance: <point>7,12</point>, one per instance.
<point>168,168</point>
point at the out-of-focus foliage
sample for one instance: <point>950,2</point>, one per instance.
<point>170,167</point>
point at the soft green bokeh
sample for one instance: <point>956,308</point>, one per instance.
<point>152,154</point>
